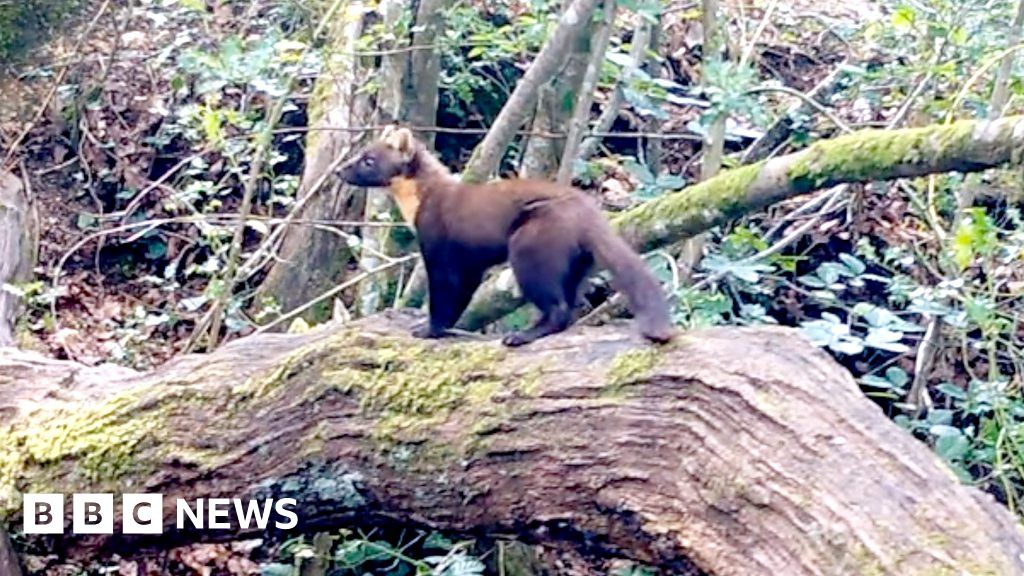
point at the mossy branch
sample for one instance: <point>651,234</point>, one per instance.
<point>864,156</point>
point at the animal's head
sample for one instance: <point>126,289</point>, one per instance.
<point>394,154</point>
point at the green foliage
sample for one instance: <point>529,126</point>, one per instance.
<point>651,186</point>
<point>946,39</point>
<point>424,554</point>
<point>869,306</point>
<point>632,569</point>
<point>727,88</point>
<point>480,52</point>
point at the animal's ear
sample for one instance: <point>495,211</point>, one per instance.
<point>404,141</point>
<point>387,135</point>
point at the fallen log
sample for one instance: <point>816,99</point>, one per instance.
<point>731,452</point>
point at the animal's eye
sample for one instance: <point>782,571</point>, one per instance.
<point>368,161</point>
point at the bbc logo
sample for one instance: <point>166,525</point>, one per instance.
<point>94,513</point>
<point>144,513</point>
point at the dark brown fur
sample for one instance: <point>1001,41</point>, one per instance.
<point>551,234</point>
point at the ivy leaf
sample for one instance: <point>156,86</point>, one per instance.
<point>639,171</point>
<point>952,447</point>
<point>897,376</point>
<point>952,390</point>
<point>848,346</point>
<point>853,264</point>
<point>886,339</point>
<point>86,221</point>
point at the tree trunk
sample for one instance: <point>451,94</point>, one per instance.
<point>554,111</point>
<point>731,452</point>
<point>864,156</point>
<point>18,244</point>
<point>408,95</point>
<point>311,260</point>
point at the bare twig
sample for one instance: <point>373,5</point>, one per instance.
<point>831,203</point>
<point>230,276</point>
<point>335,291</point>
<point>780,130</point>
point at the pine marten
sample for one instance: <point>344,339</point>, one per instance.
<point>552,235</point>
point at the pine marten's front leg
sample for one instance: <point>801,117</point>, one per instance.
<point>452,279</point>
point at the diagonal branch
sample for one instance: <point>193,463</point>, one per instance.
<point>487,156</point>
<point>864,156</point>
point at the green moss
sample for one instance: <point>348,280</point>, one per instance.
<point>407,387</point>
<point>404,388</point>
<point>96,444</point>
<point>630,366</point>
<point>868,155</point>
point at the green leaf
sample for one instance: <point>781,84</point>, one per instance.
<point>885,339</point>
<point>952,447</point>
<point>639,171</point>
<point>853,264</point>
<point>86,221</point>
<point>156,250</point>
<point>876,382</point>
<point>903,18</point>
<point>897,376</point>
<point>952,390</point>
<point>277,570</point>
<point>959,35</point>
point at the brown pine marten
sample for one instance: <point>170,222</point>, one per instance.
<point>552,235</point>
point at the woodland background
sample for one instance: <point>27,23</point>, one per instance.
<point>174,159</point>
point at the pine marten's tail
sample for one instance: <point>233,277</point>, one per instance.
<point>647,302</point>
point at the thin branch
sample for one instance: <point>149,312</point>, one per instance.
<point>585,97</point>
<point>1001,89</point>
<point>637,55</point>
<point>335,291</point>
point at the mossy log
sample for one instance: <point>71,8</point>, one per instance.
<point>729,452</point>
<point>865,156</point>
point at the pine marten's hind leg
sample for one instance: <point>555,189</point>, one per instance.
<point>547,267</point>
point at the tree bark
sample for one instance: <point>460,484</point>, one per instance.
<point>730,452</point>
<point>9,565</point>
<point>311,260</point>
<point>863,156</point>
<point>554,109</point>
<point>18,245</point>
